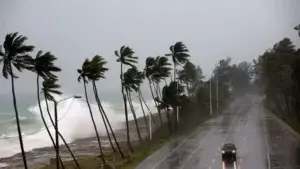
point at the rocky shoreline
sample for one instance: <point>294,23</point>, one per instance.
<point>81,148</point>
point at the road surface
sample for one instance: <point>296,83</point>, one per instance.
<point>263,142</point>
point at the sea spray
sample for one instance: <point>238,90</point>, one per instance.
<point>75,123</point>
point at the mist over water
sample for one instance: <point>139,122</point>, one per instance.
<point>74,123</point>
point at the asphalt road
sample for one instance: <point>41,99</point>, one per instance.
<point>263,142</point>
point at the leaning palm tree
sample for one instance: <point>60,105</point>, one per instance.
<point>132,81</point>
<point>44,67</point>
<point>96,72</point>
<point>179,54</point>
<point>84,73</point>
<point>15,55</point>
<point>149,72</point>
<point>126,57</point>
<point>49,88</point>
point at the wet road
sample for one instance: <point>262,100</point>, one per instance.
<point>263,142</point>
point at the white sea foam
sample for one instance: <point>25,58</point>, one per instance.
<point>75,123</point>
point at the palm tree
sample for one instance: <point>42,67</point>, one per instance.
<point>126,57</point>
<point>141,77</point>
<point>14,56</point>
<point>297,28</point>
<point>43,66</point>
<point>96,72</point>
<point>49,88</point>
<point>84,74</point>
<point>173,97</point>
<point>132,81</point>
<point>149,72</point>
<point>179,54</point>
<point>188,75</point>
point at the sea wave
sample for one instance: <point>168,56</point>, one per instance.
<point>74,123</point>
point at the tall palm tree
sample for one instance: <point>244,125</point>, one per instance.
<point>141,77</point>
<point>15,55</point>
<point>149,72</point>
<point>132,81</point>
<point>179,54</point>
<point>49,88</point>
<point>126,57</point>
<point>84,73</point>
<point>96,72</point>
<point>43,66</point>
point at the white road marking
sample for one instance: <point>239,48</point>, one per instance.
<point>199,145</point>
<point>160,161</point>
<point>267,149</point>
<point>213,161</point>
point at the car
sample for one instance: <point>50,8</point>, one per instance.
<point>229,153</point>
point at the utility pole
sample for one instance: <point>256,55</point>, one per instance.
<point>150,126</point>
<point>217,92</point>
<point>210,103</point>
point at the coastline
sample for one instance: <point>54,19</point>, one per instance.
<point>81,148</point>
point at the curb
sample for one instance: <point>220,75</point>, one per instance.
<point>294,133</point>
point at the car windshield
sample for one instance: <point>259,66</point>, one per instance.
<point>228,147</point>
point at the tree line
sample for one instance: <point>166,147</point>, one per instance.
<point>183,82</point>
<point>277,72</point>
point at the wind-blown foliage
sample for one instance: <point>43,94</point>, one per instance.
<point>15,55</point>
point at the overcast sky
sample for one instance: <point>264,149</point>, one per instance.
<point>212,29</point>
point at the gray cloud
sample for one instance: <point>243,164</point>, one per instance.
<point>74,30</point>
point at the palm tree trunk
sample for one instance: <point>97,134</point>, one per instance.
<point>175,117</point>
<point>101,112</point>
<point>109,125</point>
<point>63,139</point>
<point>174,72</point>
<point>94,124</point>
<point>169,120</point>
<point>142,107</point>
<point>166,83</point>
<point>134,116</point>
<point>17,116</point>
<point>159,113</point>
<point>126,111</point>
<point>158,90</point>
<point>56,135</point>
<point>141,94</point>
<point>43,118</point>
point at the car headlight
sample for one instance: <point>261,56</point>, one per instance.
<point>223,151</point>
<point>233,151</point>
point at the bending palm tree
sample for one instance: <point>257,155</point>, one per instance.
<point>149,71</point>
<point>50,87</point>
<point>84,72</point>
<point>97,71</point>
<point>132,81</point>
<point>15,54</point>
<point>43,66</point>
<point>179,54</point>
<point>125,57</point>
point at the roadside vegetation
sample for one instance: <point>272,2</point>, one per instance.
<point>175,82</point>
<point>277,72</point>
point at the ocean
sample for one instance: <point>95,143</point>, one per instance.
<point>74,120</point>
